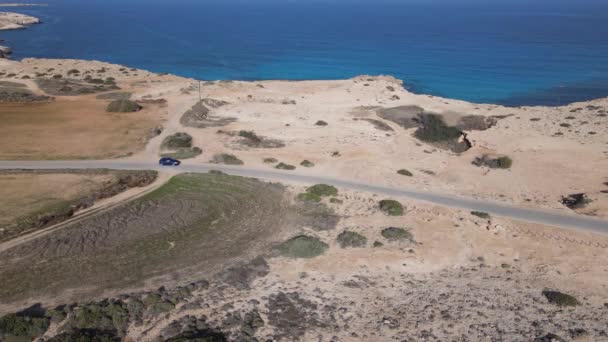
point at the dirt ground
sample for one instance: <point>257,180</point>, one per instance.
<point>73,129</point>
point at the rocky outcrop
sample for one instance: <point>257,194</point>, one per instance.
<point>5,51</point>
<point>16,21</point>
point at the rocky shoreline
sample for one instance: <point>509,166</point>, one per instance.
<point>14,21</point>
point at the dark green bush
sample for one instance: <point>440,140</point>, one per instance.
<point>307,163</point>
<point>270,160</point>
<point>283,166</point>
<point>184,153</point>
<point>177,141</point>
<point>434,129</point>
<point>321,123</point>
<point>391,207</point>
<point>397,234</point>
<point>480,214</point>
<point>250,135</point>
<point>123,106</point>
<point>228,159</point>
<point>309,197</point>
<point>302,247</point>
<point>405,172</point>
<point>23,326</point>
<point>323,190</point>
<point>351,239</point>
<point>560,299</point>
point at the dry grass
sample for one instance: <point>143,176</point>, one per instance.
<point>73,129</point>
<point>24,195</point>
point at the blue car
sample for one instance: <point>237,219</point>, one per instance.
<point>166,161</point>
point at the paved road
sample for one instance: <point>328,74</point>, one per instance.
<point>549,217</point>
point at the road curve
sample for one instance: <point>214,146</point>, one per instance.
<point>546,217</point>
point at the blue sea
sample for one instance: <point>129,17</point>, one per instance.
<point>521,53</point>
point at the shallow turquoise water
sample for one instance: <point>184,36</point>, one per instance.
<point>514,56</point>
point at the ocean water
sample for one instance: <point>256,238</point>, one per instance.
<point>512,55</point>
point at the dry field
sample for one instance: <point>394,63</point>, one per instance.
<point>32,200</point>
<point>190,227</point>
<point>77,128</point>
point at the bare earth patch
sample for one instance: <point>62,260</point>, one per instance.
<point>74,129</point>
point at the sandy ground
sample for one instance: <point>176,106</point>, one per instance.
<point>463,278</point>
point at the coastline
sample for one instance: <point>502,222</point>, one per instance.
<point>14,21</point>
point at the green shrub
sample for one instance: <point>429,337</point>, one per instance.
<point>434,129</point>
<point>23,326</point>
<point>283,166</point>
<point>321,123</point>
<point>309,197</point>
<point>335,200</point>
<point>560,299</point>
<point>391,207</point>
<point>302,247</point>
<point>57,76</point>
<point>351,239</point>
<point>270,160</point>
<point>177,141</point>
<point>323,190</point>
<point>251,136</point>
<point>94,80</point>
<point>480,214</point>
<point>307,163</point>
<point>228,159</point>
<point>405,172</point>
<point>504,162</point>
<point>378,244</point>
<point>123,106</point>
<point>73,72</point>
<point>397,234</point>
<point>184,153</point>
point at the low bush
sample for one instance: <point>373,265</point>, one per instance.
<point>576,201</point>
<point>397,234</point>
<point>184,153</point>
<point>391,207</point>
<point>251,136</point>
<point>336,200</point>
<point>283,166</point>
<point>503,162</point>
<point>302,247</point>
<point>405,172</point>
<point>560,299</point>
<point>323,190</point>
<point>351,239</point>
<point>270,160</point>
<point>480,214</point>
<point>177,141</point>
<point>309,197</point>
<point>25,327</point>
<point>228,159</point>
<point>123,106</point>
<point>307,163</point>
<point>320,123</point>
<point>434,129</point>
